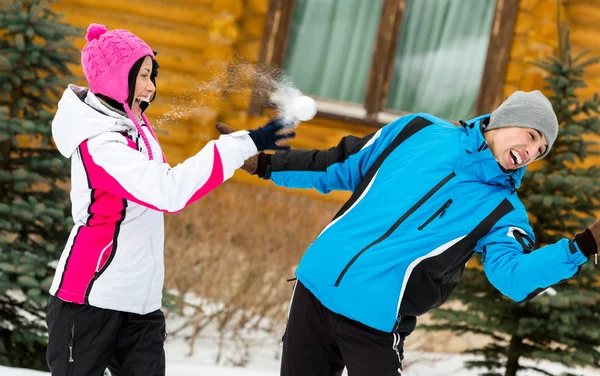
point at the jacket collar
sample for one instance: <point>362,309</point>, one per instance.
<point>479,159</point>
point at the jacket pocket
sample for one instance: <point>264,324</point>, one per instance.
<point>396,224</point>
<point>99,264</point>
<point>438,214</point>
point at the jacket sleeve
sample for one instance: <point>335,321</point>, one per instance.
<point>113,164</point>
<point>339,168</point>
<point>516,268</point>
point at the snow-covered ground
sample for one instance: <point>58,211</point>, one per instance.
<point>263,356</point>
<point>264,362</point>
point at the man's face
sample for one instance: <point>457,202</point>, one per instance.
<point>515,147</point>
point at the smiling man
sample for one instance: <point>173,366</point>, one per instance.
<point>426,196</point>
<point>521,130</point>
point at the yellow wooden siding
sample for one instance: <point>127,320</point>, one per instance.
<point>536,37</point>
<point>585,34</point>
<point>206,45</point>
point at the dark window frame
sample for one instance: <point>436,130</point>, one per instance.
<point>276,33</point>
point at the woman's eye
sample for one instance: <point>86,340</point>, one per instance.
<point>532,136</point>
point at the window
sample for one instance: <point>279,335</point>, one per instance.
<point>369,61</point>
<point>328,50</point>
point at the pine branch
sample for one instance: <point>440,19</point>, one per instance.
<point>33,237</point>
<point>533,368</point>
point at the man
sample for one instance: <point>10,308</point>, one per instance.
<point>426,195</point>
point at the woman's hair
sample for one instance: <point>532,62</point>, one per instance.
<point>133,73</point>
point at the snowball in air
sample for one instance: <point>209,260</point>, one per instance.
<point>303,108</point>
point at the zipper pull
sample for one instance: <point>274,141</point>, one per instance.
<point>445,207</point>
<point>71,341</point>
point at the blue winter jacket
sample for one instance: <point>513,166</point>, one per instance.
<point>426,195</point>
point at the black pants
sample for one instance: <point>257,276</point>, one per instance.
<point>85,340</point>
<point>319,342</point>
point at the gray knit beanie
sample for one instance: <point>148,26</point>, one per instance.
<point>527,110</point>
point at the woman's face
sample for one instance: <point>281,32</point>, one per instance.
<point>143,86</point>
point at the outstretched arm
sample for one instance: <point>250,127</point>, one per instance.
<point>341,167</point>
<point>338,168</point>
<point>520,271</point>
<point>113,164</point>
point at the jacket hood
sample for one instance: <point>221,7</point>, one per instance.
<point>80,116</point>
<point>479,158</point>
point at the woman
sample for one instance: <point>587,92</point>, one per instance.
<point>107,290</point>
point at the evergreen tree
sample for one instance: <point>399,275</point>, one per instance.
<point>35,49</point>
<point>560,325</point>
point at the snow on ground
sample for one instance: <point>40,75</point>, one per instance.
<point>264,362</point>
<point>264,357</point>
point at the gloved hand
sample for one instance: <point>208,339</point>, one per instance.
<point>268,136</point>
<point>589,240</point>
<point>251,164</point>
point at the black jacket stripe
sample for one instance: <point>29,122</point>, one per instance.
<point>483,228</point>
<point>460,252</point>
<point>89,209</point>
<point>92,190</point>
<point>113,251</point>
<point>87,175</point>
<point>527,247</point>
<point>417,124</point>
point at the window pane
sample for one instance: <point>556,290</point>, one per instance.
<point>330,47</point>
<point>441,55</point>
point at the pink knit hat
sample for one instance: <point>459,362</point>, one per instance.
<point>107,59</point>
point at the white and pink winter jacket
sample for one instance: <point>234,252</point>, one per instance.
<point>114,257</point>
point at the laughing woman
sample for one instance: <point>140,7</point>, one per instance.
<point>104,311</point>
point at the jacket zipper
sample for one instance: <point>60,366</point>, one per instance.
<point>389,232</point>
<point>440,212</point>
<point>71,344</point>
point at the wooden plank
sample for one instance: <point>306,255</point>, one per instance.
<point>157,34</point>
<point>492,81</point>
<point>180,13</point>
<point>585,34</point>
<point>378,83</point>
<point>372,123</point>
<point>276,32</point>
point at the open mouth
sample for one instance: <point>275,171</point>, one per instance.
<point>516,157</point>
<point>142,99</point>
<point>142,102</point>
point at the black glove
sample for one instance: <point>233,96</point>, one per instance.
<point>266,137</point>
<point>589,240</point>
